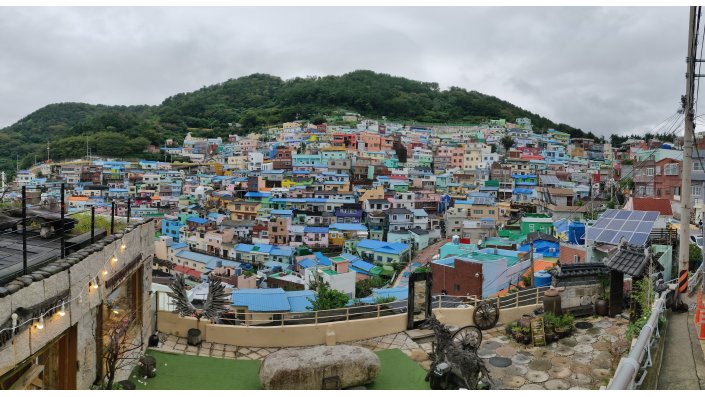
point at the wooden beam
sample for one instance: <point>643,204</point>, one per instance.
<point>27,378</point>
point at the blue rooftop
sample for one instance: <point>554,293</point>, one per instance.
<point>262,300</point>
<point>299,300</point>
<point>383,246</point>
<point>315,229</point>
<point>195,219</point>
<point>349,226</point>
<point>322,259</point>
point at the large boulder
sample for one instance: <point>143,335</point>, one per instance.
<point>307,368</point>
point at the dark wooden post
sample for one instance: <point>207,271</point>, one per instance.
<point>24,230</point>
<point>63,223</point>
<point>616,292</point>
<point>92,225</point>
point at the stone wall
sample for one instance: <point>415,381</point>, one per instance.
<point>73,273</point>
<point>582,295</point>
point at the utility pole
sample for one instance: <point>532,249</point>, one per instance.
<point>687,169</point>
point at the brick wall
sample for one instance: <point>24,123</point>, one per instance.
<point>568,252</point>
<point>457,280</point>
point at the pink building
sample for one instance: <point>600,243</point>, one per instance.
<point>316,236</point>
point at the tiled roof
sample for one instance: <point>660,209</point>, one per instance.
<point>663,206</point>
<point>540,236</point>
<point>580,270</point>
<point>629,260</point>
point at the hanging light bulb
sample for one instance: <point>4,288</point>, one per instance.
<point>114,259</point>
<point>123,246</point>
<point>62,311</point>
<point>40,324</point>
<point>105,272</point>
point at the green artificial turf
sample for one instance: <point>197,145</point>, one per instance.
<point>398,372</point>
<point>183,372</point>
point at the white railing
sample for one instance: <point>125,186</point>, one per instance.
<point>639,357</point>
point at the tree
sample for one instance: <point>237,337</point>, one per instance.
<point>507,142</point>
<point>363,288</point>
<point>318,120</point>
<point>401,151</point>
<point>122,345</point>
<point>326,297</point>
<point>695,257</point>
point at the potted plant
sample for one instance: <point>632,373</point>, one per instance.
<point>518,334</point>
<point>564,325</point>
<point>549,326</point>
<point>509,328</point>
<point>526,335</point>
<point>602,303</point>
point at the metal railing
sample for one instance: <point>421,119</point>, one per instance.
<point>522,298</point>
<point>639,357</point>
<point>357,312</point>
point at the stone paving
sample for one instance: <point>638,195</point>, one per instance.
<point>581,361</point>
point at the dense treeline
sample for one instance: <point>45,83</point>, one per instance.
<point>243,105</point>
<point>618,140</point>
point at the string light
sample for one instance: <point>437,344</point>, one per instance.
<point>93,284</point>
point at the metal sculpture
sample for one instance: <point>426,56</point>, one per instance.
<point>485,315</point>
<point>469,337</point>
<point>213,307</point>
<point>455,364</point>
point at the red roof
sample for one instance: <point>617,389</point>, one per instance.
<point>187,271</point>
<point>653,204</point>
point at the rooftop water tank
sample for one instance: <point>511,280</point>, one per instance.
<point>576,233</point>
<point>542,279</point>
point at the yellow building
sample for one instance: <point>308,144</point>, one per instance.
<point>243,210</point>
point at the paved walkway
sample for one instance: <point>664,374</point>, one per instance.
<point>422,257</point>
<point>683,363</point>
<point>582,361</point>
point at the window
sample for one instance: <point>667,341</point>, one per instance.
<point>670,169</point>
<point>456,287</point>
<point>649,172</point>
<point>696,191</point>
<point>532,227</point>
<point>379,258</point>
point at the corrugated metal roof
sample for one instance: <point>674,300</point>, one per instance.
<point>262,300</point>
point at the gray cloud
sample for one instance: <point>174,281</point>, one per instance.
<point>606,70</point>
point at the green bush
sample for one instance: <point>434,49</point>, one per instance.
<point>83,223</point>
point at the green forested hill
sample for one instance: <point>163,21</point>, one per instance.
<point>252,101</point>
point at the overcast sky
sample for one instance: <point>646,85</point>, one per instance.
<point>606,70</point>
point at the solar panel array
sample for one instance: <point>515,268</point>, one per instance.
<point>613,225</point>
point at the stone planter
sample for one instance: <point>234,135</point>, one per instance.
<point>148,366</point>
<point>194,337</point>
<point>563,332</point>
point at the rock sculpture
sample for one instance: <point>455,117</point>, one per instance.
<point>319,367</point>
